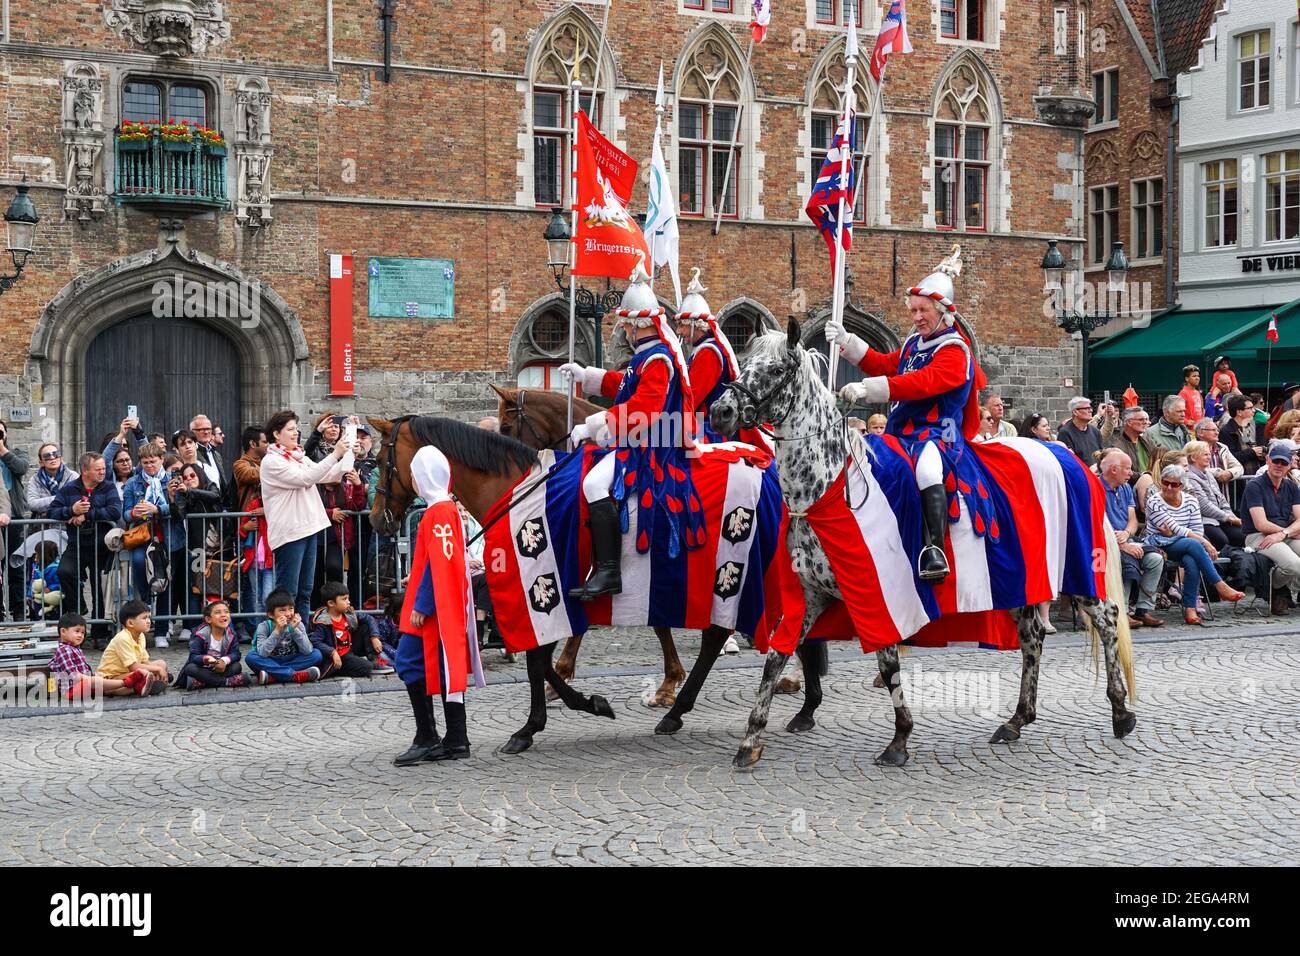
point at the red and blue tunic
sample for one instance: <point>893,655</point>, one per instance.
<point>650,466</point>
<point>933,388</point>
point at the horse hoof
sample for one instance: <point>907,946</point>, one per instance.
<point>892,758</point>
<point>600,707</point>
<point>746,757</point>
<point>551,695</point>
<point>788,686</point>
<point>879,681</point>
<point>1124,725</point>
<point>668,726</point>
<point>517,745</point>
<point>664,698</point>
<point>800,724</point>
<point>1004,735</point>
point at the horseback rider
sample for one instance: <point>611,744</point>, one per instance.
<point>713,361</point>
<point>932,383</point>
<point>646,427</point>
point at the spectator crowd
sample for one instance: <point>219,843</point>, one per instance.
<point>1203,501</point>
<point>268,545</point>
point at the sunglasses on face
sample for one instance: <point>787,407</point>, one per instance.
<point>1172,484</point>
<point>50,456</point>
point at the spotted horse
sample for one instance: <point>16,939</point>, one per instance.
<point>854,505</point>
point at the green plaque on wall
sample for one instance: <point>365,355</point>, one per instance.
<point>411,288</point>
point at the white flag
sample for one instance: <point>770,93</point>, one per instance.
<point>661,217</point>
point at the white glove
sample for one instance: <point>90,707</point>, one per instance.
<point>866,392</point>
<point>836,333</point>
<point>589,378</point>
<point>852,347</point>
<point>579,434</point>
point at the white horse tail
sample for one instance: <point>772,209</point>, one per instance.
<point>1115,591</point>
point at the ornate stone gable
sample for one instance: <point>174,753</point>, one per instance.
<point>175,28</point>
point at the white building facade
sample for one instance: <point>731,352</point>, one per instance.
<point>1239,160</point>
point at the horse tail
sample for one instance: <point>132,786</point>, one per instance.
<point>1115,591</point>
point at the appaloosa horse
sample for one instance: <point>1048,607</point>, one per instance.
<point>781,384</point>
<point>485,466</point>
<point>539,419</point>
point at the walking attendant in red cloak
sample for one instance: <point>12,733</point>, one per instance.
<point>438,649</point>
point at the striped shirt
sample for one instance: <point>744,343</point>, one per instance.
<point>68,666</point>
<point>1184,519</point>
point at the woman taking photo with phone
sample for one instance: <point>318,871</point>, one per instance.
<point>295,514</point>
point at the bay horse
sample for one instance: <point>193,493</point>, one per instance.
<point>539,419</point>
<point>781,383</point>
<point>485,466</point>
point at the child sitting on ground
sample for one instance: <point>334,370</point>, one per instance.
<point>388,629</point>
<point>73,677</point>
<point>126,652</point>
<point>343,636</point>
<point>281,652</point>
<point>214,652</point>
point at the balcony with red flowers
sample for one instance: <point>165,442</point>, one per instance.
<point>170,166</point>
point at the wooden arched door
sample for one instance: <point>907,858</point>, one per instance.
<point>171,370</point>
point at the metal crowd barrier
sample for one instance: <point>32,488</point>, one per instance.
<point>208,563</point>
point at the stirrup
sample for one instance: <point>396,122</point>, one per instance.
<point>932,574</point>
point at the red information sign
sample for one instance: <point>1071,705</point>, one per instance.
<point>342,370</point>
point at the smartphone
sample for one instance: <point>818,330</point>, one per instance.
<point>338,419</point>
<point>1106,397</point>
<point>131,412</point>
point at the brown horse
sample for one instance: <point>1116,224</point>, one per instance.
<point>539,419</point>
<point>484,466</point>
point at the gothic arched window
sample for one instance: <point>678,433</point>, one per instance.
<point>569,41</point>
<point>965,140</point>
<point>825,110</point>
<point>710,93</point>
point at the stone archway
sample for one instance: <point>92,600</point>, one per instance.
<point>266,333</point>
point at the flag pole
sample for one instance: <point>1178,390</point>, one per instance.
<point>735,140</point>
<point>659,116</point>
<point>575,84</point>
<point>600,58</point>
<point>846,160</point>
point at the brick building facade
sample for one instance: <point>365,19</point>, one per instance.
<point>1138,48</point>
<point>418,129</point>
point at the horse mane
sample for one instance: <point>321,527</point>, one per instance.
<point>477,448</point>
<point>774,345</point>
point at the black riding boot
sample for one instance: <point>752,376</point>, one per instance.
<point>426,745</point>
<point>606,551</point>
<point>455,746</point>
<point>932,565</point>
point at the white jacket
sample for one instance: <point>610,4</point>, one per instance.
<point>294,509</point>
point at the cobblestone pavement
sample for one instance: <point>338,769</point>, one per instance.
<point>1209,776</point>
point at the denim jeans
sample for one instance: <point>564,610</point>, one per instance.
<point>261,582</point>
<point>282,668</point>
<point>295,571</point>
<point>1196,562</point>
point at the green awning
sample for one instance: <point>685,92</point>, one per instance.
<point>1152,359</point>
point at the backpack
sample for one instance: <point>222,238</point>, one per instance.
<point>157,566</point>
<point>1247,569</point>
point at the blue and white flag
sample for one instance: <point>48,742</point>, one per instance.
<point>661,207</point>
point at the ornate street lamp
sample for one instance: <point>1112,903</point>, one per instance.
<point>20,220</point>
<point>1073,321</point>
<point>588,305</point>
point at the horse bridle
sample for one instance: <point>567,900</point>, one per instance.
<point>753,408</point>
<point>388,452</point>
<point>525,424</point>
